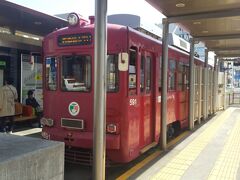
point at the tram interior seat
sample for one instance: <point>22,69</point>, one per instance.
<point>73,85</point>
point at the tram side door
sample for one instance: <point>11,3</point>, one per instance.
<point>146,93</point>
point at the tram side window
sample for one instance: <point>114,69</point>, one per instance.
<point>112,73</point>
<point>181,76</point>
<point>171,80</point>
<point>132,79</point>
<point>76,73</point>
<point>142,83</point>
<point>51,73</point>
<point>187,76</point>
<point>148,74</point>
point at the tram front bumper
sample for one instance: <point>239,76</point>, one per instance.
<point>79,139</point>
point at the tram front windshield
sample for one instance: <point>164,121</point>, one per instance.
<point>76,73</point>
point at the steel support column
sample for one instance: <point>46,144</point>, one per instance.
<point>192,86</point>
<point>224,84</point>
<point>100,54</point>
<point>164,85</point>
<point>215,85</point>
<point>205,114</point>
<point>218,70</point>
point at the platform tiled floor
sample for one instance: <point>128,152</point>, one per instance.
<point>212,152</point>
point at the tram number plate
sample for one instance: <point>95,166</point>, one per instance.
<point>72,123</point>
<point>133,102</point>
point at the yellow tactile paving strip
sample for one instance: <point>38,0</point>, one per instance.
<point>227,164</point>
<point>180,163</point>
<point>141,164</point>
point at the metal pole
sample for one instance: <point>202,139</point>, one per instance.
<point>100,54</point>
<point>164,85</point>
<point>192,88</point>
<point>200,95</point>
<point>215,85</point>
<point>218,88</point>
<point>232,99</point>
<point>229,99</point>
<point>206,85</point>
<point>224,90</point>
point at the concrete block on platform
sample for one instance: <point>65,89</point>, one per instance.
<point>25,158</point>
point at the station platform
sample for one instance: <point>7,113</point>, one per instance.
<point>28,158</point>
<point>211,152</point>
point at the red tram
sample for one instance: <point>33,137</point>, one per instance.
<point>133,90</point>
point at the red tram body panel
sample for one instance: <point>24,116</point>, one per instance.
<point>133,95</point>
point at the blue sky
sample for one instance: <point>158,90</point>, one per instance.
<point>87,7</point>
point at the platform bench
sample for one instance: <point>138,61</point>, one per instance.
<point>24,113</point>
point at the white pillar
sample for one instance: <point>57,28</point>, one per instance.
<point>215,85</point>
<point>192,86</point>
<point>100,54</point>
<point>206,86</point>
<point>164,85</point>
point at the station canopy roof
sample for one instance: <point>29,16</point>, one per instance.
<point>16,17</point>
<point>214,22</point>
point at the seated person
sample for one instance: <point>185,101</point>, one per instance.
<point>31,101</point>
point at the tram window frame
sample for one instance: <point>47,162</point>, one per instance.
<point>142,74</point>
<point>85,86</point>
<point>172,75</point>
<point>148,74</point>
<point>187,70</point>
<point>132,71</point>
<point>181,76</point>
<point>114,73</point>
<point>54,86</point>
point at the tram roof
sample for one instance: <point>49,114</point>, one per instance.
<point>16,17</point>
<point>216,23</point>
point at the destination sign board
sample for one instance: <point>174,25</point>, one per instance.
<point>80,39</point>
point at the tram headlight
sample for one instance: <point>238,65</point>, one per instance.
<point>46,122</point>
<point>73,19</point>
<point>45,135</point>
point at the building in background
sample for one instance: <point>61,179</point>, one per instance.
<point>147,26</point>
<point>21,32</point>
